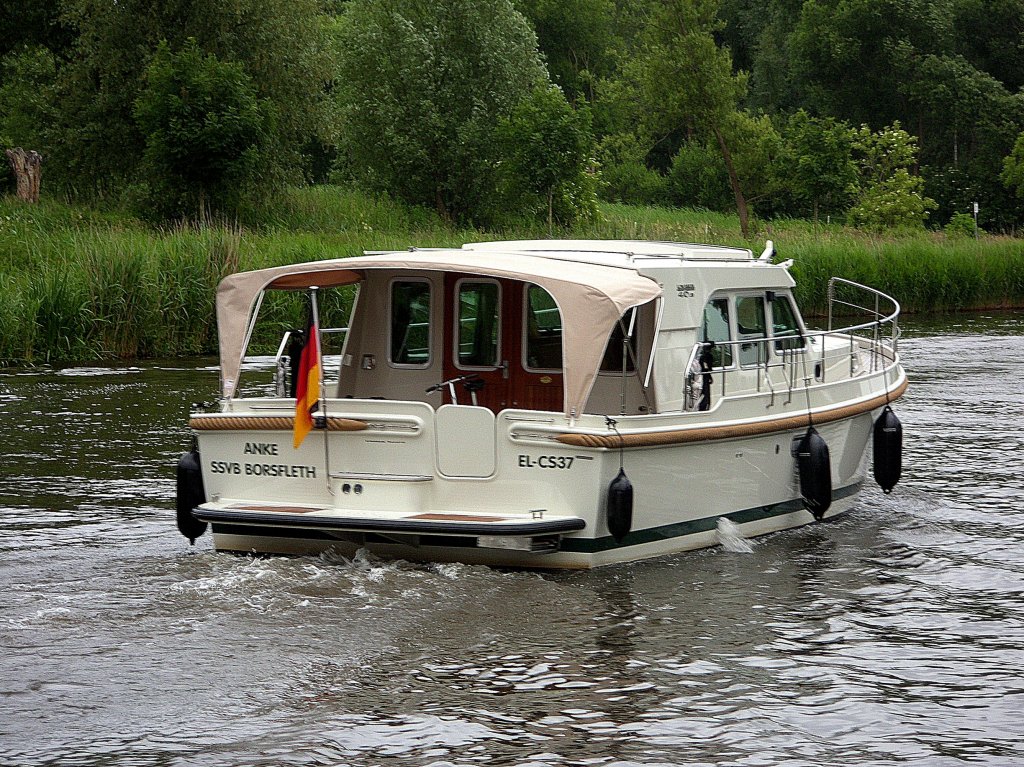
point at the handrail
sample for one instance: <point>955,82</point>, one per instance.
<point>863,337</point>
<point>281,367</point>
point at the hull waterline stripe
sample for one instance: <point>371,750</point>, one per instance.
<point>691,527</point>
<point>265,423</point>
<point>573,545</point>
<point>711,433</point>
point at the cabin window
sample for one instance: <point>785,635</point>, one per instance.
<point>478,324</point>
<point>784,323</point>
<point>543,329</point>
<point>716,328</point>
<point>750,324</point>
<point>410,323</point>
<point>612,361</point>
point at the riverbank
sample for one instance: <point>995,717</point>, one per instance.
<point>79,284</point>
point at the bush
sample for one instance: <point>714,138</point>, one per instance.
<point>205,131</point>
<point>960,225</point>
<point>698,179</point>
<point>633,183</point>
<point>896,203</point>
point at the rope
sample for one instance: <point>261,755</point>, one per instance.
<point>710,433</point>
<point>612,424</point>
<point>265,423</point>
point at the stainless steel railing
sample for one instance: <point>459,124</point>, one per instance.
<point>781,364</point>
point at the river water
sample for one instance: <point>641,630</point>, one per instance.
<point>892,635</point>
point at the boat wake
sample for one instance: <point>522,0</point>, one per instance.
<point>731,538</point>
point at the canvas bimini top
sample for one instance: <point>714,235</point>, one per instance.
<point>591,298</point>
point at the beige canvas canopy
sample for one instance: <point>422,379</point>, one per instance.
<point>590,298</point>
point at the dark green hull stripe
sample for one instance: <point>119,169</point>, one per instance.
<point>690,527</point>
<point>576,545</point>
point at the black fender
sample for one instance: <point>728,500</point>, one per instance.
<point>619,508</point>
<point>190,493</point>
<point>887,450</point>
<point>815,469</point>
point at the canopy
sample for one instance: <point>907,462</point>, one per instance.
<point>590,297</point>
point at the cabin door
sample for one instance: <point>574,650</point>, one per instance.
<point>508,334</point>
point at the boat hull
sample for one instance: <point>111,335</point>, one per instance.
<point>542,505</point>
<point>575,554</point>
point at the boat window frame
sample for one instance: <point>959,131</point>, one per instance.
<point>732,348</point>
<point>800,335</point>
<point>430,323</point>
<point>457,323</point>
<point>763,341</point>
<point>525,345</point>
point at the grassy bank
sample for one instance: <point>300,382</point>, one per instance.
<point>79,284</point>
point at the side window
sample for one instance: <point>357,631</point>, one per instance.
<point>785,325</point>
<point>477,332</point>
<point>543,330</point>
<point>716,328</point>
<point>612,361</point>
<point>750,324</point>
<point>410,323</point>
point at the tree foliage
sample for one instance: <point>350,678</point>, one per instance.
<point>577,38</point>
<point>818,166</point>
<point>890,196</point>
<point>422,89</point>
<point>1013,168</point>
<point>683,97</point>
<point>27,77</point>
<point>205,130</point>
<point>283,46</point>
<point>682,82</point>
<point>546,147</point>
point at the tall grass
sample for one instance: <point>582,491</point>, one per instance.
<point>78,284</point>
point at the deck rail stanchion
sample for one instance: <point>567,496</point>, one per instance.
<point>323,386</point>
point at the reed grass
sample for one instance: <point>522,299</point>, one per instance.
<point>79,284</point>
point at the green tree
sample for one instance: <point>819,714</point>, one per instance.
<point>682,82</point>
<point>898,202</point>
<point>818,165</point>
<point>284,46</point>
<point>1013,168</point>
<point>988,35</point>
<point>624,173</point>
<point>421,91</point>
<point>698,178</point>
<point>890,197</point>
<point>547,147</point>
<point>205,132</point>
<point>947,70</point>
<point>576,38</point>
<point>33,24</point>
<point>850,55</point>
<point>27,77</point>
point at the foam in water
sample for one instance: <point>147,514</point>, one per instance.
<point>731,539</point>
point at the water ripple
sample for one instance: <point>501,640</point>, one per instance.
<point>890,636</point>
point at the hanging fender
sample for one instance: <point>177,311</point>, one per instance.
<point>190,493</point>
<point>887,449</point>
<point>815,471</point>
<point>619,508</point>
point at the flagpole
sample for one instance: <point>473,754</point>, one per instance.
<point>323,384</point>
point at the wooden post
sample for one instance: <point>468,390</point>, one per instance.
<point>27,168</point>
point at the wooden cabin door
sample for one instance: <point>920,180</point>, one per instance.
<point>507,334</point>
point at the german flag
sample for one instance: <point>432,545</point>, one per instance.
<point>307,389</point>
